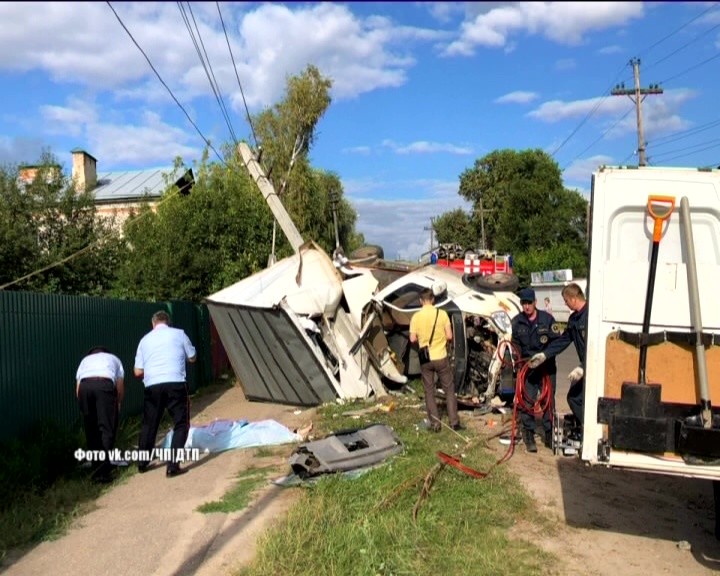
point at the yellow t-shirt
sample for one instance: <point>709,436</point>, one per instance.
<point>422,324</point>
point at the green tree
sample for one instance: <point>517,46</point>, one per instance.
<point>51,233</point>
<point>191,245</point>
<point>456,227</point>
<point>222,231</point>
<point>286,133</point>
<point>526,207</point>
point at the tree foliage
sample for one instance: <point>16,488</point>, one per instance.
<point>51,233</point>
<point>222,231</point>
<point>526,208</point>
<point>191,245</point>
<point>456,227</point>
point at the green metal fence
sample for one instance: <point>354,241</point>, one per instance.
<point>43,338</point>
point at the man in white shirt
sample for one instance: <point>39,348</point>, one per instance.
<point>160,362</point>
<point>99,388</point>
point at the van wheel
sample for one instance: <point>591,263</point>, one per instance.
<point>501,281</point>
<point>366,254</point>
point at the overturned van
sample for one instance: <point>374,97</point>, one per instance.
<point>310,329</point>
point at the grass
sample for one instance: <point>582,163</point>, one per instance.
<point>49,489</point>
<point>240,495</point>
<point>364,526</point>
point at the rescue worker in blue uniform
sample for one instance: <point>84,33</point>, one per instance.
<point>575,333</point>
<point>532,332</point>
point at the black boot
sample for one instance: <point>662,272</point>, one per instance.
<point>529,439</point>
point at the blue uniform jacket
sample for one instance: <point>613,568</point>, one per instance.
<point>575,332</point>
<point>534,337</point>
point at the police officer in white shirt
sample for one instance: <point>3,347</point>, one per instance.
<point>160,362</point>
<point>99,388</point>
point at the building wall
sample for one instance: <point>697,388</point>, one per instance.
<point>121,210</point>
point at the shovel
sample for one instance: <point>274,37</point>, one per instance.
<point>697,435</point>
<point>638,423</point>
<point>660,208</point>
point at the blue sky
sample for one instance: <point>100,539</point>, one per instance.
<point>420,90</point>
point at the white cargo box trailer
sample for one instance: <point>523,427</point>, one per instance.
<point>661,416</point>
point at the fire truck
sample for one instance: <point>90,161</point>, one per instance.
<point>482,268</point>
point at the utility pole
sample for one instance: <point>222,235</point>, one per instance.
<point>637,95</point>
<point>432,229</point>
<point>482,211</point>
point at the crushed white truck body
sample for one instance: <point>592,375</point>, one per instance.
<point>651,428</point>
<point>310,329</point>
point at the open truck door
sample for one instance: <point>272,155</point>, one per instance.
<point>652,377</point>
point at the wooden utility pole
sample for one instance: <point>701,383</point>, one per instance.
<point>272,199</point>
<point>432,230</point>
<point>637,95</point>
<point>483,245</point>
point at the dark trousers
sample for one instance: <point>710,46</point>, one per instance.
<point>442,369</point>
<point>576,399</point>
<point>172,396</point>
<point>97,399</point>
<point>533,387</point>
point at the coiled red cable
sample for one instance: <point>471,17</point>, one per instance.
<point>521,401</point>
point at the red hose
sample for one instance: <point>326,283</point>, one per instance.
<point>521,401</point>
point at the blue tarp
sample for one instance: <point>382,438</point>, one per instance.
<point>227,434</point>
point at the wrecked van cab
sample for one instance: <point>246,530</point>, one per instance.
<point>481,321</point>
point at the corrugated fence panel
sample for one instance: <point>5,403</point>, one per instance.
<point>44,337</point>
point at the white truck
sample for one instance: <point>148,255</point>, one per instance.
<point>652,375</point>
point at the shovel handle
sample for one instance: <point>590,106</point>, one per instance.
<point>660,208</point>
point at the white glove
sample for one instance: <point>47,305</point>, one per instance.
<point>537,359</point>
<point>576,374</point>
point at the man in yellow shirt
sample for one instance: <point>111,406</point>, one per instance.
<point>431,327</point>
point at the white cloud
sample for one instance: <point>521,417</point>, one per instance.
<point>558,110</point>
<point>517,97</point>
<point>561,22</point>
<point>84,44</point>
<point>364,150</point>
<point>115,140</point>
<point>661,113</point>
<point>424,147</point>
<point>70,119</point>
<point>14,150</point>
<point>565,64</point>
<point>581,170</point>
<point>399,225</point>
<point>612,49</point>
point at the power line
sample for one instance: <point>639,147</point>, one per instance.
<point>589,114</point>
<point>86,248</point>
<point>207,66</point>
<point>600,138</point>
<point>164,84</point>
<point>713,146</point>
<point>670,138</point>
<point>695,39</point>
<point>646,50</point>
<point>232,58</point>
<point>700,145</point>
<point>691,68</point>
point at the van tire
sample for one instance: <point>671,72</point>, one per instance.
<point>501,281</point>
<point>366,254</point>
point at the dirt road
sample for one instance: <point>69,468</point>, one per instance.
<point>149,524</point>
<point>617,522</point>
<point>604,521</point>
